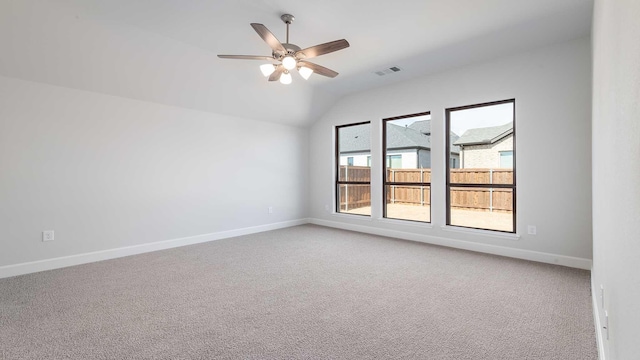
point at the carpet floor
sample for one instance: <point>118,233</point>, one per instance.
<point>306,292</point>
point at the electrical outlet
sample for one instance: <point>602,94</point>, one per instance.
<point>531,230</point>
<point>47,235</point>
<point>327,208</point>
<point>270,209</point>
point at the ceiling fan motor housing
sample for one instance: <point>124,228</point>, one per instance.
<point>291,51</point>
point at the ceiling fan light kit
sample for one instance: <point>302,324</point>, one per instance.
<point>285,78</point>
<point>289,56</point>
<point>267,69</point>
<point>305,72</point>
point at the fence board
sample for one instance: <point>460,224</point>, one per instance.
<point>481,176</point>
<point>354,196</point>
<point>355,173</point>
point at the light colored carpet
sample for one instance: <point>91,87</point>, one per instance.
<point>306,292</point>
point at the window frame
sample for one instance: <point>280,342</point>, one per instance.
<point>386,183</point>
<point>449,185</point>
<point>339,182</point>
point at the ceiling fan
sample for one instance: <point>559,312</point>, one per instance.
<point>286,57</point>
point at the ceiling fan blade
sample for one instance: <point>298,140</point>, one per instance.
<point>322,49</point>
<point>318,69</point>
<point>247,57</point>
<point>275,76</point>
<point>268,37</point>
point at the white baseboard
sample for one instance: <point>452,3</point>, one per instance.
<point>60,262</point>
<point>596,320</point>
<point>569,261</point>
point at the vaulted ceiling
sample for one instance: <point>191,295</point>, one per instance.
<point>165,51</point>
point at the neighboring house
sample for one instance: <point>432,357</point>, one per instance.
<point>424,127</point>
<point>355,145</point>
<point>488,147</point>
<point>408,147</point>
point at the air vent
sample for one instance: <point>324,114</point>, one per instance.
<point>391,70</point>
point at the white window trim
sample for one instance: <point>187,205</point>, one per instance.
<point>483,232</point>
<point>413,223</point>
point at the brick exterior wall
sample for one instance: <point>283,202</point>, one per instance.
<point>486,156</point>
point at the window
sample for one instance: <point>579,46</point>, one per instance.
<point>394,161</point>
<point>353,173</point>
<point>407,174</point>
<point>506,159</point>
<point>350,160</point>
<point>481,193</point>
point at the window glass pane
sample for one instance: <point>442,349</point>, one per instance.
<point>482,208</point>
<point>408,147</point>
<point>354,150</point>
<point>407,177</point>
<point>483,139</point>
<point>353,188</point>
<point>481,182</point>
<point>355,199</point>
<point>408,202</point>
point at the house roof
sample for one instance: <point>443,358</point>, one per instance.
<point>424,127</point>
<point>406,137</point>
<point>417,135</point>
<point>355,138</point>
<point>485,135</point>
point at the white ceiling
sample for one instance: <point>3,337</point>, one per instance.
<point>165,50</point>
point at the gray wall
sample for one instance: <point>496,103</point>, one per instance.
<point>616,173</point>
<point>552,89</point>
<point>106,172</point>
<point>424,157</point>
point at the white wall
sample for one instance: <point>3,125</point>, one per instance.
<point>358,159</point>
<point>552,89</point>
<point>616,173</point>
<point>106,172</point>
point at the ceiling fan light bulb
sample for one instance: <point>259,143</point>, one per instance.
<point>285,78</point>
<point>289,62</point>
<point>267,69</point>
<point>305,72</point>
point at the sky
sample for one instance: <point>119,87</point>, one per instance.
<point>462,120</point>
<point>485,116</point>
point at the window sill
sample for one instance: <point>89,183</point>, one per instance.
<point>353,216</point>
<point>488,233</point>
<point>417,224</point>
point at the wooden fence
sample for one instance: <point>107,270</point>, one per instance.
<point>482,176</point>
<point>356,196</point>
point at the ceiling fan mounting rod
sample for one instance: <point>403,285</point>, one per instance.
<point>288,19</point>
